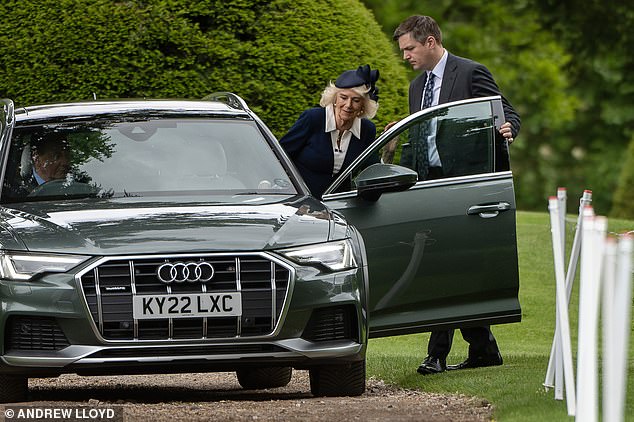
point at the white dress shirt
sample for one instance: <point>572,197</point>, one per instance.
<point>438,71</point>
<point>331,126</point>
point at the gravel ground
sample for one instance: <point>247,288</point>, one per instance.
<point>219,397</point>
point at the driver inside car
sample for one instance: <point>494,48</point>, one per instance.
<point>50,159</point>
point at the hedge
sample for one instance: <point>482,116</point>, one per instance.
<point>278,55</point>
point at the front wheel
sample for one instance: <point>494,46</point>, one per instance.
<point>338,380</point>
<point>13,388</point>
<point>261,378</point>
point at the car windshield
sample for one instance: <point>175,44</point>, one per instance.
<point>141,157</point>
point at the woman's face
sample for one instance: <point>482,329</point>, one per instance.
<point>348,105</point>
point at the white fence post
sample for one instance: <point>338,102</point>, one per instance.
<point>608,333</point>
<point>562,306</point>
<point>618,301</point>
<point>585,200</point>
<point>594,229</point>
<point>559,358</point>
<point>605,285</point>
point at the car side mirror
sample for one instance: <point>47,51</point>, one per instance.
<point>378,179</point>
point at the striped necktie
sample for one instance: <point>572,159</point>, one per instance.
<point>422,158</point>
<point>429,92</point>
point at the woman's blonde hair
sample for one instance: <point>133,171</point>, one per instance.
<point>370,106</point>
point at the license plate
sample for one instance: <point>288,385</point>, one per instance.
<point>194,305</point>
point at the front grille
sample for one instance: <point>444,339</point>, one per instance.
<point>332,323</point>
<point>109,288</point>
<point>33,333</point>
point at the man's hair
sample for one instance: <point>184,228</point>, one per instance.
<point>54,143</point>
<point>420,27</point>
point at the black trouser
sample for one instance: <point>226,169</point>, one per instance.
<point>481,342</point>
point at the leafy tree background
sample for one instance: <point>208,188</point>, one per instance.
<point>624,195</point>
<point>278,55</point>
<point>565,67</point>
<point>563,64</point>
<point>600,36</point>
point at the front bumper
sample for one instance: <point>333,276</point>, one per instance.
<point>48,328</point>
<point>100,360</point>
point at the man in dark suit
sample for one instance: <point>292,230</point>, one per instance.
<point>445,78</point>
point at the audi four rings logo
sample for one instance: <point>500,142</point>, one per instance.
<point>180,272</point>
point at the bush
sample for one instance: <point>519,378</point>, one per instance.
<point>278,55</point>
<point>624,195</point>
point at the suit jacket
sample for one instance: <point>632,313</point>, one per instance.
<point>463,79</point>
<point>310,147</point>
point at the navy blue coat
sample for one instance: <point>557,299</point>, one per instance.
<point>310,148</point>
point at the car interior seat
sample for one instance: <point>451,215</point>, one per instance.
<point>206,168</point>
<point>26,161</point>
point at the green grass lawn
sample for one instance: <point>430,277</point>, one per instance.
<point>515,389</point>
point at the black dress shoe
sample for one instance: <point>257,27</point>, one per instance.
<point>432,365</point>
<point>477,362</point>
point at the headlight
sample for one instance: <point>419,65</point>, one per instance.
<point>22,266</point>
<point>335,256</point>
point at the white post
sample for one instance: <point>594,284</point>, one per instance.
<point>586,200</point>
<point>562,306</point>
<point>559,369</point>
<point>614,405</point>
<point>594,229</point>
<point>561,201</point>
<point>608,333</point>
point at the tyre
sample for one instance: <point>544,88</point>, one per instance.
<point>13,388</point>
<point>261,378</point>
<point>338,380</point>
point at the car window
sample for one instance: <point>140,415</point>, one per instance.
<point>413,234</point>
<point>170,156</point>
<point>465,136</point>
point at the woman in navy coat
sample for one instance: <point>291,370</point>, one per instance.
<point>325,140</point>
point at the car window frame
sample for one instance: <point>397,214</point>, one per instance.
<point>295,180</point>
<point>498,119</point>
<point>7,123</point>
<point>482,203</point>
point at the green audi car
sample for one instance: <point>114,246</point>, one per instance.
<point>158,236</point>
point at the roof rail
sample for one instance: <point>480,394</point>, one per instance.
<point>229,98</point>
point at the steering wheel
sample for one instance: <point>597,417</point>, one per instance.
<point>63,187</point>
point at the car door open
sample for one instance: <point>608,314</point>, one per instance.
<point>442,253</point>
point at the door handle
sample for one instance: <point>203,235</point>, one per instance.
<point>488,210</point>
